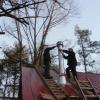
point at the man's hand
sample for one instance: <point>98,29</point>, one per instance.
<point>61,50</point>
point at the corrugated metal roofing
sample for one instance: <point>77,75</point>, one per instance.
<point>94,78</point>
<point>7,98</point>
<point>33,86</point>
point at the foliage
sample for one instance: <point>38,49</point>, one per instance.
<point>13,55</point>
<point>42,16</point>
<point>95,45</point>
<point>8,7</point>
<point>83,40</point>
<point>10,69</point>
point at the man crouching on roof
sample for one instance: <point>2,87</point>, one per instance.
<point>47,60</point>
<point>71,62</point>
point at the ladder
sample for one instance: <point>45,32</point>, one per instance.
<point>98,93</point>
<point>87,90</point>
<point>56,90</point>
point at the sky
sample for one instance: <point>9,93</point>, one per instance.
<point>88,18</point>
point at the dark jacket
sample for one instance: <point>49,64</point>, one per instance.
<point>71,57</point>
<point>46,55</point>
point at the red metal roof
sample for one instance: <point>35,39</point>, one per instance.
<point>7,98</point>
<point>33,85</point>
<point>94,78</point>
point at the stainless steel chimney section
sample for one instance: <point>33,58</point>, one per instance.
<point>62,78</point>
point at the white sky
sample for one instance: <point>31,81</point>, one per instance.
<point>88,18</point>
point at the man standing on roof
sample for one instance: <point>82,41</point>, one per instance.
<point>72,62</point>
<point>47,60</point>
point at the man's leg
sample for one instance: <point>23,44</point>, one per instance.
<point>68,72</point>
<point>47,71</point>
<point>74,73</point>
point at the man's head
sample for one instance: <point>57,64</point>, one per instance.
<point>70,49</point>
<point>45,46</point>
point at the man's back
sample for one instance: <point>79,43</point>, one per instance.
<point>46,55</point>
<point>71,58</point>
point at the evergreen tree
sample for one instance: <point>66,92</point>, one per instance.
<point>83,40</point>
<point>10,70</point>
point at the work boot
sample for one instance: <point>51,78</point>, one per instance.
<point>48,77</point>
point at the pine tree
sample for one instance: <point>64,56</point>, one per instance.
<point>83,40</point>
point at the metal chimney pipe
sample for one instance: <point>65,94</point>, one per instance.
<point>62,78</point>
